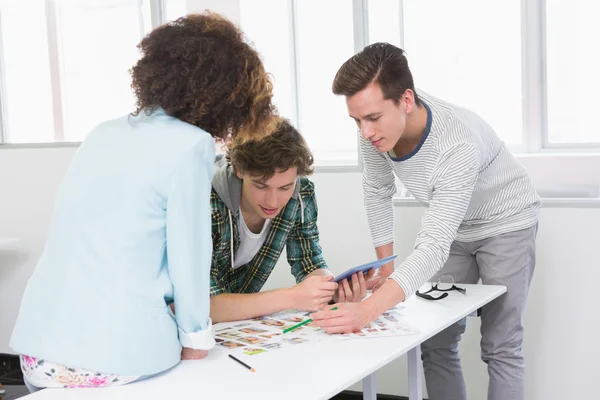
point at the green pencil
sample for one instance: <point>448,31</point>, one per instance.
<point>308,321</point>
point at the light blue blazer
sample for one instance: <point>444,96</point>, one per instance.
<point>130,233</point>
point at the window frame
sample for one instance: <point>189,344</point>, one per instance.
<point>534,95</point>
<point>3,108</point>
<point>360,25</point>
<point>157,17</point>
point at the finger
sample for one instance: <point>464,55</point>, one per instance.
<point>346,284</point>
<point>347,289</point>
<point>341,296</point>
<point>362,287</point>
<point>330,323</point>
<point>338,329</point>
<point>355,284</point>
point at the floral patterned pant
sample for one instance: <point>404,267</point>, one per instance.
<point>46,374</point>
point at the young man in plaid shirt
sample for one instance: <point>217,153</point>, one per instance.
<point>261,203</point>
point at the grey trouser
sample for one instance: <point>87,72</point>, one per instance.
<point>509,260</point>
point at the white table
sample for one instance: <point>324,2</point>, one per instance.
<point>305,372</point>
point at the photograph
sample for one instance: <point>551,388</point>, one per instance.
<point>251,339</point>
<point>389,317</point>
<point>271,346</point>
<point>269,335</point>
<point>250,351</point>
<point>272,322</point>
<point>292,318</point>
<point>295,340</point>
<point>231,345</point>
<point>229,334</point>
<point>253,330</point>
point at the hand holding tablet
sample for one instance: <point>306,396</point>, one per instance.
<point>364,268</point>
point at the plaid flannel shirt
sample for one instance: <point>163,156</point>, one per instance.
<point>301,240</point>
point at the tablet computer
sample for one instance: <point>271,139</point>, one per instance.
<point>364,268</point>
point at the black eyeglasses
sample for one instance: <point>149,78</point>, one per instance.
<point>441,286</point>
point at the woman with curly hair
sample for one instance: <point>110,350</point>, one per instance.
<point>131,229</point>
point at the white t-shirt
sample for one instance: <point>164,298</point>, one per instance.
<point>250,242</point>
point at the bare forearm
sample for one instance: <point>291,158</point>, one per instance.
<point>234,307</point>
<point>386,297</point>
<point>385,251</point>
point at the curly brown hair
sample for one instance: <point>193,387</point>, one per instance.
<point>201,70</point>
<point>282,149</point>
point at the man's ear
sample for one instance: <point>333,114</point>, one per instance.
<point>408,98</point>
<point>237,172</point>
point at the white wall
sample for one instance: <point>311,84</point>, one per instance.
<point>29,179</point>
<point>562,322</point>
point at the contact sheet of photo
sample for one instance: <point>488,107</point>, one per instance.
<point>263,334</point>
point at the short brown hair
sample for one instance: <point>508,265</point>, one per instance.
<point>381,63</point>
<point>200,69</point>
<point>279,151</point>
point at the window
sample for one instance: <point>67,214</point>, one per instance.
<point>465,60</point>
<point>25,84</point>
<point>67,68</point>
<point>534,89</point>
<point>302,50</point>
<point>524,65</point>
<point>95,61</point>
<point>573,81</point>
<point>175,9</point>
<point>323,45</point>
<point>275,49</point>
<point>385,22</point>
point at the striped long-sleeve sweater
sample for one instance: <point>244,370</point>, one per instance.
<point>461,171</point>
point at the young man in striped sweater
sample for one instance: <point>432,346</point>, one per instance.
<point>480,222</point>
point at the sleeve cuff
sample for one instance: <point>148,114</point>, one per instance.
<point>200,340</point>
<point>377,242</point>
